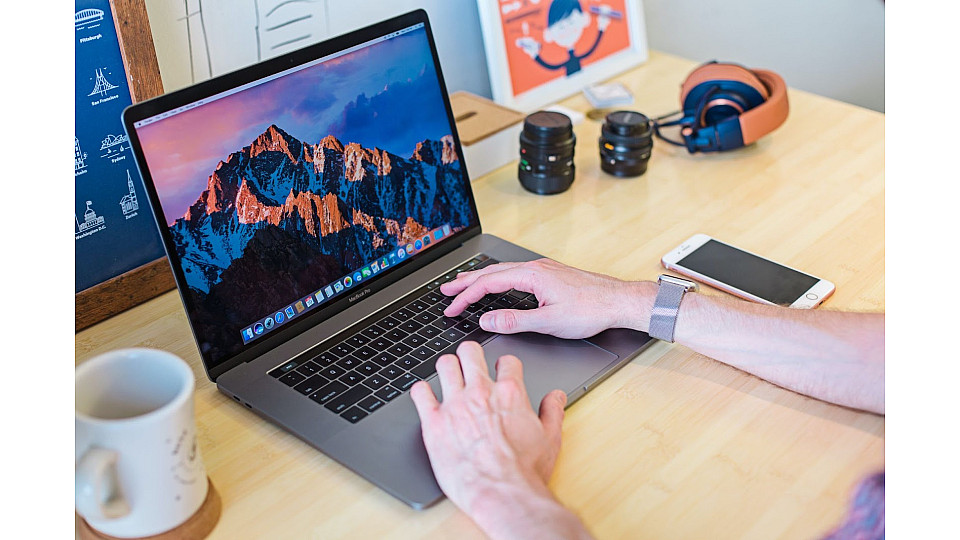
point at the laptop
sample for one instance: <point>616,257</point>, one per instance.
<point>310,206</point>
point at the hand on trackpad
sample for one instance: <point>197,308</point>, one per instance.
<point>548,362</point>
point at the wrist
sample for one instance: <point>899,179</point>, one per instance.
<point>520,509</point>
<point>637,305</point>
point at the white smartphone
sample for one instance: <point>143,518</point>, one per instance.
<point>745,274</point>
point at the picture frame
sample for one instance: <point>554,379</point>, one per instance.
<point>146,281</point>
<point>513,30</point>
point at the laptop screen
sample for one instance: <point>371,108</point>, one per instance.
<point>285,193</point>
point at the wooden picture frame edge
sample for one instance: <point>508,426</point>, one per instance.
<point>555,90</point>
<point>135,286</point>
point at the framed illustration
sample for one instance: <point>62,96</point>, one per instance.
<point>119,260</point>
<point>539,51</point>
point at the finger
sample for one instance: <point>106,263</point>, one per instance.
<point>424,400</point>
<point>551,414</point>
<point>509,367</point>
<point>497,282</point>
<point>465,279</point>
<point>472,363</point>
<point>511,321</point>
<point>450,375</point>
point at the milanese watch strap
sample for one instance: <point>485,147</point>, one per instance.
<point>663,318</point>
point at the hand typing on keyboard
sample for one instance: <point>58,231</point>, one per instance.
<point>572,303</point>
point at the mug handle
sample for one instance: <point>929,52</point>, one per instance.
<point>97,488</point>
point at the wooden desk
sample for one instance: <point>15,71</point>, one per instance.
<point>674,445</point>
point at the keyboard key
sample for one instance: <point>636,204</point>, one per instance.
<point>452,334</point>
<point>445,322</point>
<point>438,344</point>
<point>375,381</point>
<point>417,306</point>
<point>328,392</point>
<point>332,372</point>
<point>411,326</point>
<point>373,332</point>
<point>286,368</point>
<point>405,381</point>
<point>348,398</point>
<point>422,353</point>
<point>368,368</point>
<point>429,331</point>
<point>391,372</point>
<point>342,349</point>
<point>380,344</point>
<point>425,317</point>
<point>308,368</point>
<point>354,415</point>
<point>351,378</point>
<point>326,358</point>
<point>357,340</point>
<point>365,353</point>
<point>349,362</point>
<point>526,304</point>
<point>384,359</point>
<point>402,314</point>
<point>310,385</point>
<point>466,326</point>
<point>399,349</point>
<point>519,295</point>
<point>292,378</point>
<point>396,335</point>
<point>388,323</point>
<point>387,393</point>
<point>408,362</point>
<point>431,297</point>
<point>371,403</point>
<point>414,340</point>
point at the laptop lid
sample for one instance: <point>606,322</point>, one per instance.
<point>279,188</point>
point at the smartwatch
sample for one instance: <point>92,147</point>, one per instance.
<point>663,318</point>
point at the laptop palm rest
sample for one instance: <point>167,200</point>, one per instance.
<point>550,363</point>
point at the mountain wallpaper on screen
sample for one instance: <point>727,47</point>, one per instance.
<point>279,218</point>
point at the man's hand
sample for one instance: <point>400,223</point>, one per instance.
<point>573,303</point>
<point>491,454</point>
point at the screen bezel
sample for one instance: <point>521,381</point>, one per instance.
<point>822,288</point>
<point>205,89</point>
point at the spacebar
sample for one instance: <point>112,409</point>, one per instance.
<point>429,366</point>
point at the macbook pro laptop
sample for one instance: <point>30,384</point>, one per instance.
<point>311,205</point>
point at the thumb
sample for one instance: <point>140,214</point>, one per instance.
<point>512,321</point>
<point>551,414</point>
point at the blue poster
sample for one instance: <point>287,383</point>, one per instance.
<point>114,227</point>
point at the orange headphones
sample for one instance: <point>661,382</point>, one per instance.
<point>727,106</point>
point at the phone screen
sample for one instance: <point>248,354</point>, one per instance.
<point>749,273</point>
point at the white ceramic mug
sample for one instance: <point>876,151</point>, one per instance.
<point>138,466</point>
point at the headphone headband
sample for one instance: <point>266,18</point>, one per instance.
<point>726,106</point>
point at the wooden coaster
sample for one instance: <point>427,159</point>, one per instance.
<point>198,526</point>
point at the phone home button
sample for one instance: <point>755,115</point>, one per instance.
<point>811,296</point>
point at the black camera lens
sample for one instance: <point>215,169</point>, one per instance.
<point>546,153</point>
<point>626,140</point>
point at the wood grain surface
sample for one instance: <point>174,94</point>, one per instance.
<point>674,445</point>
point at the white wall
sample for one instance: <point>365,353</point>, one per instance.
<point>830,47</point>
<point>834,48</point>
<point>229,34</point>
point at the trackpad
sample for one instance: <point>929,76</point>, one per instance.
<point>548,362</point>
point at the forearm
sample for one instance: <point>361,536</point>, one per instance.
<point>833,356</point>
<point>524,511</point>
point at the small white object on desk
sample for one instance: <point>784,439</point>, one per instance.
<point>613,94</point>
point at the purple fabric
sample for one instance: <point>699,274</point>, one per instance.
<point>865,521</point>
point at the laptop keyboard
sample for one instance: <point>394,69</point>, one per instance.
<point>358,372</point>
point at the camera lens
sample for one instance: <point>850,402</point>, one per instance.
<point>546,153</point>
<point>626,140</point>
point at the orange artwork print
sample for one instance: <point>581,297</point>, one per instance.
<point>550,39</point>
